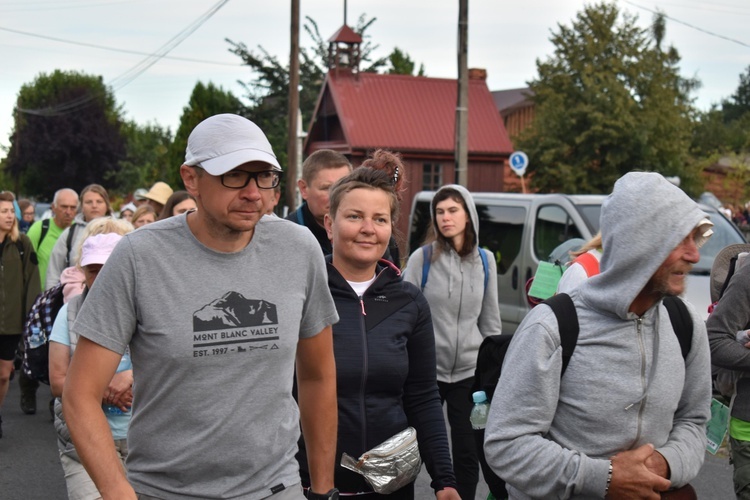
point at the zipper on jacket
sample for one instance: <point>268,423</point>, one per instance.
<point>458,319</point>
<point>365,354</point>
<point>642,402</point>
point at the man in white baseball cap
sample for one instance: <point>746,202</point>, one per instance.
<point>216,306</point>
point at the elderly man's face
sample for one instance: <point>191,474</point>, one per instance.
<point>670,278</point>
<point>64,209</point>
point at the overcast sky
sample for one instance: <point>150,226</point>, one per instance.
<point>505,38</point>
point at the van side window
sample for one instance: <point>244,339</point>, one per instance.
<point>553,226</point>
<point>501,232</point>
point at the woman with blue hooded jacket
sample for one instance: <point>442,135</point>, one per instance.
<point>462,292</point>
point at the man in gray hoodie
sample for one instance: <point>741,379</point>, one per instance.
<point>627,418</point>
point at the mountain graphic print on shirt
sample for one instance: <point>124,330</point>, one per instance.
<point>234,324</point>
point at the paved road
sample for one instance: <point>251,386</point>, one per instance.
<point>30,468</point>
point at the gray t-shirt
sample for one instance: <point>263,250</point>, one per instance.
<point>213,339</point>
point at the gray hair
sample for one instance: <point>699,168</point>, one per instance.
<point>63,190</point>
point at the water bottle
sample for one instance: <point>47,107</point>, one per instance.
<point>112,410</point>
<point>37,338</point>
<point>480,411</point>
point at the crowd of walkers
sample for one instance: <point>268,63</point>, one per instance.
<point>210,349</point>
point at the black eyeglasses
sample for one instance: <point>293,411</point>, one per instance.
<point>238,179</point>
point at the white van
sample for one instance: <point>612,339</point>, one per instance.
<point>522,229</point>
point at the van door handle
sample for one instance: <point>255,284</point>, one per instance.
<point>528,275</point>
<point>514,278</point>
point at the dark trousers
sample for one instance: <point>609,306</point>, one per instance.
<point>27,385</point>
<point>457,396</point>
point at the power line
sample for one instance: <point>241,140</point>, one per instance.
<point>131,74</point>
<point>113,49</point>
<point>687,24</point>
<point>54,5</point>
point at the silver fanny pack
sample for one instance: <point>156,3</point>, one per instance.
<point>391,465</point>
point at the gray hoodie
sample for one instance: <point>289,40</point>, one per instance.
<point>463,312</point>
<point>626,385</point>
<point>60,251</point>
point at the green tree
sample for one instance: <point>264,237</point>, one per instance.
<point>146,159</point>
<point>712,135</point>
<point>739,104</point>
<point>205,100</point>
<point>67,133</point>
<point>402,64</point>
<point>609,100</point>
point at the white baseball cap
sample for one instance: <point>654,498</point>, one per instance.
<point>223,142</point>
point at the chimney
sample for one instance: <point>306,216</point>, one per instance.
<point>477,74</point>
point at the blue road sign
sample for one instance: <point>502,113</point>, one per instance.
<point>518,162</point>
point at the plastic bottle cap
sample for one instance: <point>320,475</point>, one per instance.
<point>479,397</point>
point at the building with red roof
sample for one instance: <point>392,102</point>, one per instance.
<point>358,113</point>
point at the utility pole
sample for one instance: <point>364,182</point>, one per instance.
<point>291,156</point>
<point>462,104</point>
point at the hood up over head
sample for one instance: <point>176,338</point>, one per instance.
<point>468,201</point>
<point>642,221</point>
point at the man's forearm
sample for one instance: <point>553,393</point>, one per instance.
<point>319,416</point>
<point>94,444</point>
<point>89,373</point>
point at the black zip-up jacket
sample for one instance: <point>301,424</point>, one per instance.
<point>385,373</point>
<point>19,283</point>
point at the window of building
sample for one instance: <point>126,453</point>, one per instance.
<point>432,176</point>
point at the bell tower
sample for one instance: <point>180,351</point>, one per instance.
<point>344,51</point>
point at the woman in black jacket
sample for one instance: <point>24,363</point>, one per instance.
<point>19,286</point>
<point>383,343</point>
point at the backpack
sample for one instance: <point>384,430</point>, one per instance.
<point>493,349</point>
<point>36,332</point>
<point>427,262</point>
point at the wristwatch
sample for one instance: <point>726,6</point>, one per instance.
<point>332,494</point>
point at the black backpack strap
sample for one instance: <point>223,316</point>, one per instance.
<point>69,243</point>
<point>567,322</point>
<point>45,230</point>
<point>682,323</point>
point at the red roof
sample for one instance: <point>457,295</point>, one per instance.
<point>345,35</point>
<point>410,113</point>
